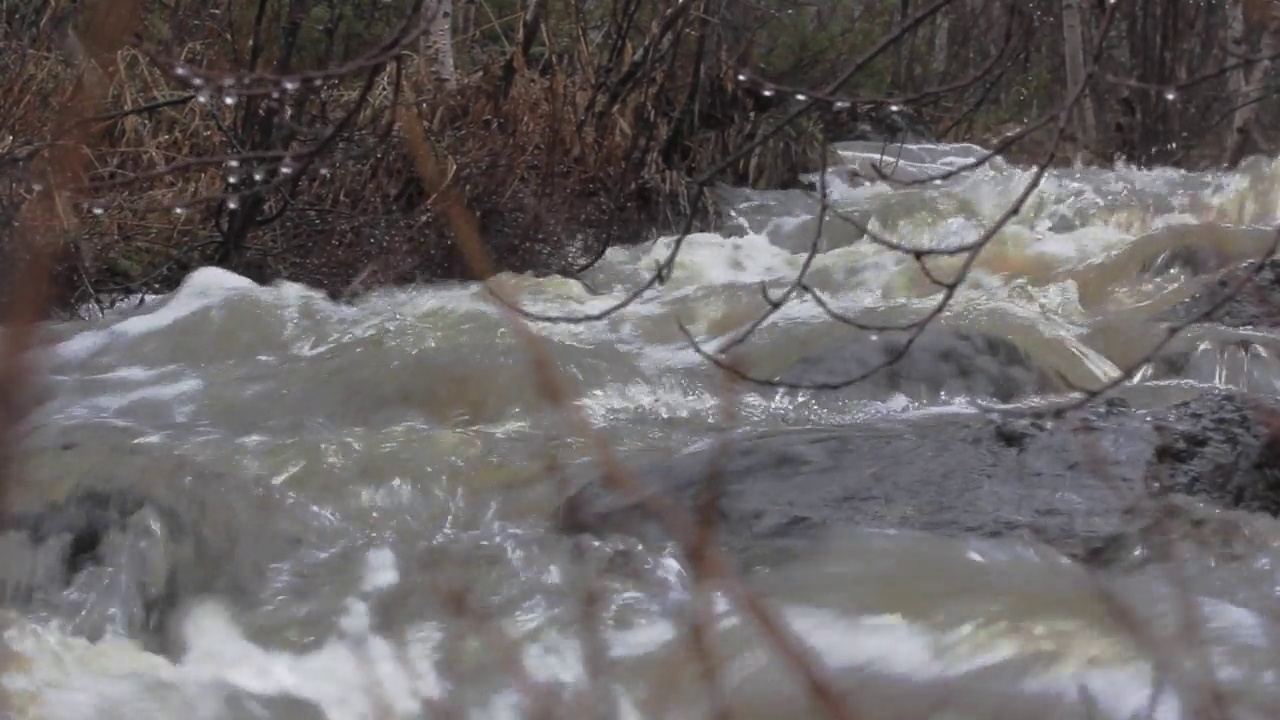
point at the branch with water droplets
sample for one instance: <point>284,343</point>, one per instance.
<point>207,83</point>
<point>809,102</point>
<point>917,328</point>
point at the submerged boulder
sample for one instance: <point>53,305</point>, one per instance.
<point>940,362</point>
<point>1178,529</point>
<point>101,561</point>
<point>1223,300</point>
<point>1068,483</point>
<point>109,535</point>
<point>1193,251</point>
<point>1225,332</point>
<point>877,124</point>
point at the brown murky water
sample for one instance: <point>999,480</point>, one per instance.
<point>379,475</point>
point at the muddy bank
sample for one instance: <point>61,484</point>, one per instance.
<point>1071,484</point>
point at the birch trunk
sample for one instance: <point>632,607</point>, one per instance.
<point>1238,80</point>
<point>1246,82</point>
<point>941,50</point>
<point>900,55</point>
<point>437,43</point>
<point>1073,47</point>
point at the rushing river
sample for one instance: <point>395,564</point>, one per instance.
<point>382,473</point>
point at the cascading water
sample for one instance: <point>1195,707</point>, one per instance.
<point>375,474</point>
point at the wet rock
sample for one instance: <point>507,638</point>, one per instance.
<point>1256,304</point>
<point>1193,251</point>
<point>1220,448</point>
<point>1225,333</point>
<point>1177,528</point>
<point>1191,260</point>
<point>881,124</point>
<point>1070,483</point>
<point>1016,433</point>
<point>240,704</point>
<point>109,533</point>
<point>100,560</point>
<point>940,362</point>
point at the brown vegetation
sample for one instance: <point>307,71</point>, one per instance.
<point>566,126</point>
<point>298,173</point>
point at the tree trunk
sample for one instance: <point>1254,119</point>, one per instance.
<point>901,56</point>
<point>1246,82</point>
<point>941,50</point>
<point>437,43</point>
<point>1083,117</point>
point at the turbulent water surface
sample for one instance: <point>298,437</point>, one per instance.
<point>382,474</point>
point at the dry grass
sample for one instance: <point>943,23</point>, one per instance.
<point>555,169</point>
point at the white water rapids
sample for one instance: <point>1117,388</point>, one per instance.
<point>401,442</point>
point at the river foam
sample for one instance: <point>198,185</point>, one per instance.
<point>407,431</point>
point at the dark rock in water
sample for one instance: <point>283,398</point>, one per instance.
<point>100,560</point>
<point>1066,483</point>
<point>1171,252</point>
<point>1176,528</point>
<point>239,704</point>
<point>939,362</point>
<point>1256,305</point>
<point>1194,260</point>
<point>1217,340</point>
<point>1220,448</point>
<point>111,535</point>
<point>882,123</point>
